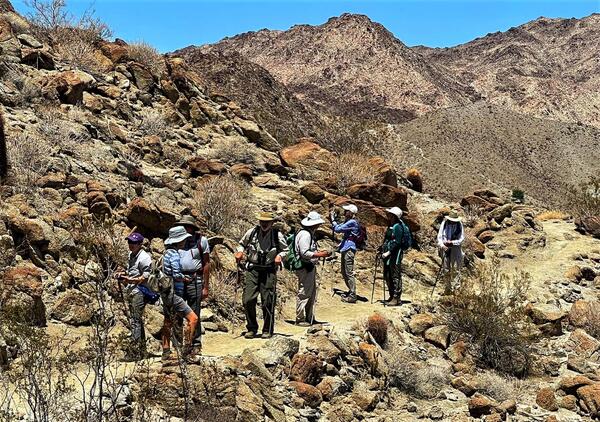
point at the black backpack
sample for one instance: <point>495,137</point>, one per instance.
<point>360,239</point>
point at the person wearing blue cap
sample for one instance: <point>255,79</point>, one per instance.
<point>139,294</point>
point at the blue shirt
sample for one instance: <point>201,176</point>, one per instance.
<point>350,229</point>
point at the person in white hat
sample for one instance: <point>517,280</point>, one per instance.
<point>450,238</point>
<point>173,304</point>
<point>348,247</point>
<point>397,240</point>
<point>306,249</point>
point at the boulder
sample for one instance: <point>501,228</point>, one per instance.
<point>583,345</point>
<point>465,384</point>
<point>588,225</point>
<point>438,336</point>
<point>40,59</point>
<point>546,399</point>
<point>457,351</point>
<point>313,193</point>
<point>364,398</point>
<point>250,362</point>
<point>323,348</point>
<point>476,202</point>
<point>22,291</point>
<point>571,384</point>
<point>419,323</point>
<point>200,167</point>
<point>73,308</point>
<point>384,173</point>
<point>149,217</point>
<point>475,246</point>
<point>548,317</point>
<point>485,236</point>
<point>306,155</point>
<point>306,368</point>
<point>331,387</point>
<point>116,52</point>
<point>580,312</point>
<point>310,394</point>
<point>257,135</point>
<point>243,171</point>
<point>480,405</point>
<point>277,349</point>
<point>68,86</point>
<point>589,399</point>
<point>380,194</point>
<point>142,77</point>
<point>569,402</point>
<point>372,357</point>
<point>502,212</point>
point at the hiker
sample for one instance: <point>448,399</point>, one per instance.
<point>173,304</point>
<point>450,238</point>
<point>305,247</point>
<point>263,248</point>
<point>138,293</point>
<point>195,265</point>
<point>397,240</point>
<point>350,228</point>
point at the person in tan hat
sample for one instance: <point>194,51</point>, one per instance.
<point>262,248</point>
<point>195,266</point>
<point>450,238</point>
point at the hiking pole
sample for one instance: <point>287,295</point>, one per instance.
<point>437,278</point>
<point>377,258</point>
<point>198,308</point>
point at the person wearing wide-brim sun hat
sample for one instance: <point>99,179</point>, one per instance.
<point>262,248</point>
<point>397,239</point>
<point>305,247</point>
<point>450,238</point>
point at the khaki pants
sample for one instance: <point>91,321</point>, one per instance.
<point>307,293</point>
<point>348,270</point>
<point>453,262</point>
<point>263,282</point>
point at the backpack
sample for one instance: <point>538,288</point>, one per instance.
<point>158,280</point>
<point>274,237</point>
<point>292,261</point>
<point>360,240</point>
<point>406,240</point>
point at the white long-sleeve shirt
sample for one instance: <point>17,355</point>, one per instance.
<point>306,246</point>
<point>444,235</point>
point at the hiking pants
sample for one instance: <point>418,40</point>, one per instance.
<point>452,267</point>
<point>307,293</point>
<point>137,304</point>
<point>392,273</point>
<point>348,270</point>
<point>259,281</point>
<point>192,295</point>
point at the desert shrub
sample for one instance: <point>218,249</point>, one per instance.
<point>28,159</point>
<point>488,310</point>
<point>224,295</point>
<point>153,123</point>
<point>497,386</point>
<point>584,200</point>
<point>408,372</point>
<point>473,214</point>
<point>377,325</point>
<point>552,215</point>
<point>233,151</point>
<point>221,202</point>
<point>145,54</point>
<point>349,169</point>
<point>518,195</point>
<point>414,176</point>
<point>344,136</point>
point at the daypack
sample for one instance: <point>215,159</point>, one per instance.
<point>360,239</point>
<point>158,280</point>
<point>406,240</point>
<point>292,261</point>
<point>274,237</point>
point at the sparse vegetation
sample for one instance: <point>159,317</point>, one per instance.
<point>473,215</point>
<point>153,123</point>
<point>222,203</point>
<point>498,387</point>
<point>145,54</point>
<point>488,310</point>
<point>518,195</point>
<point>349,169</point>
<point>584,200</point>
<point>28,158</point>
<point>233,151</point>
<point>552,215</point>
<point>224,294</point>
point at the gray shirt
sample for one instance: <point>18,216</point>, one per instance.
<point>306,246</point>
<point>139,264</point>
<point>192,260</point>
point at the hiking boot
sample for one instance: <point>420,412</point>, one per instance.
<point>349,298</point>
<point>303,324</point>
<point>166,355</point>
<point>194,355</point>
<point>266,336</point>
<point>394,302</point>
<point>250,335</point>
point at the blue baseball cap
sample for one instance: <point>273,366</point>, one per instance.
<point>135,238</point>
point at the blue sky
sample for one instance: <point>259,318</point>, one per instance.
<point>173,24</point>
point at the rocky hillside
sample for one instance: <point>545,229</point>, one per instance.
<point>351,66</point>
<point>548,68</point>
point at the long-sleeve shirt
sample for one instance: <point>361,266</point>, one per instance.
<point>255,243</point>
<point>306,246</point>
<point>139,264</point>
<point>350,229</point>
<point>172,265</point>
<point>451,232</point>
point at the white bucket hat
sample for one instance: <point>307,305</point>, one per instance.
<point>396,211</point>
<point>312,219</point>
<point>176,235</point>
<point>454,217</point>
<point>350,207</point>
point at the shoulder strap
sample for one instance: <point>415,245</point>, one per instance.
<point>275,239</point>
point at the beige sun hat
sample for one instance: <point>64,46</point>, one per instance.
<point>453,216</point>
<point>266,216</point>
<point>396,211</point>
<point>176,235</point>
<point>312,219</point>
<point>188,220</point>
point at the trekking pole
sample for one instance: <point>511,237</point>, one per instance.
<point>198,308</point>
<point>437,278</point>
<point>377,258</point>
<point>273,306</point>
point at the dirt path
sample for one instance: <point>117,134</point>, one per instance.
<point>543,264</point>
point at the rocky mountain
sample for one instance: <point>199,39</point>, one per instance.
<point>351,66</point>
<point>547,68</point>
